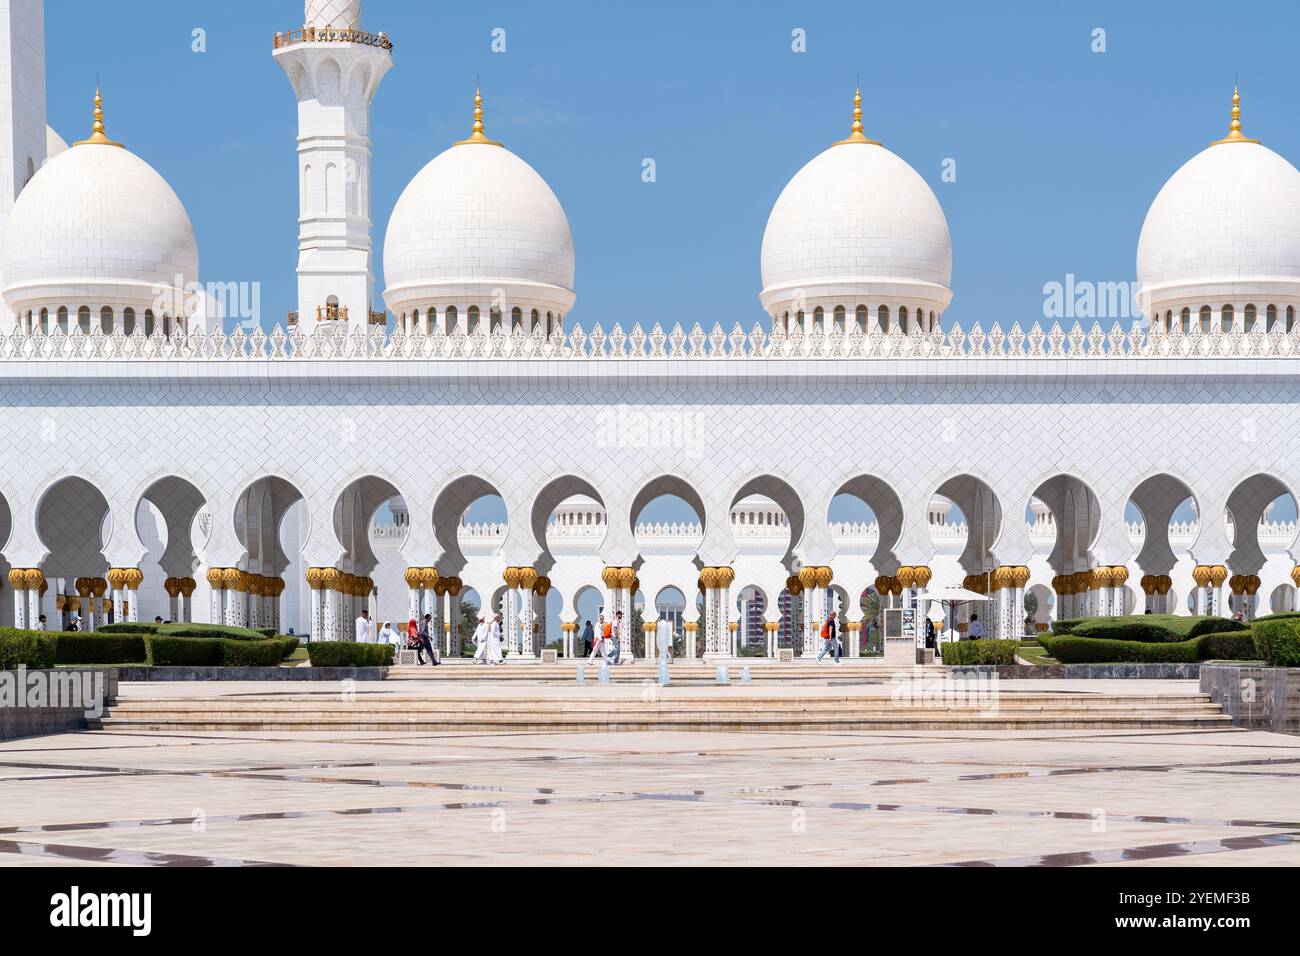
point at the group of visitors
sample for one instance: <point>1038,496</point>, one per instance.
<point>487,640</point>
<point>418,636</point>
<point>608,643</point>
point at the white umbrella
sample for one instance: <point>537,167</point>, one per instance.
<point>951,595</point>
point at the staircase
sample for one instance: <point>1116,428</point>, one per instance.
<point>761,671</point>
<point>625,709</point>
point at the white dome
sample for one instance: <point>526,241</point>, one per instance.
<point>1225,229</point>
<point>341,14</point>
<point>97,226</point>
<point>478,226</point>
<point>856,226</point>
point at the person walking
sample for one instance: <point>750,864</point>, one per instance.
<point>976,629</point>
<point>425,635</point>
<point>602,635</point>
<point>365,632</point>
<point>587,637</point>
<point>830,639</point>
<point>492,654</point>
<point>480,640</point>
<point>613,645</point>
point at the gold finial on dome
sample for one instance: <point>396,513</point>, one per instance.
<point>476,134</point>
<point>855,134</point>
<point>1234,127</point>
<point>97,135</point>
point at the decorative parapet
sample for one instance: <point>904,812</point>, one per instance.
<point>330,35</point>
<point>376,342</point>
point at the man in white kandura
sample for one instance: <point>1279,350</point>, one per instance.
<point>480,639</point>
<point>492,649</point>
<point>365,633</point>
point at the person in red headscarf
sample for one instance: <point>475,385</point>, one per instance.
<point>418,643</point>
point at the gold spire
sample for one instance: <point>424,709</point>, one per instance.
<point>856,135</point>
<point>476,134</point>
<point>1234,127</point>
<point>97,135</point>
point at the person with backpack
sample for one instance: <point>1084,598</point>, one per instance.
<point>830,638</point>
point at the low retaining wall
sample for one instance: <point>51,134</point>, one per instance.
<point>1260,698</point>
<point>1082,671</point>
<point>29,710</point>
<point>144,674</point>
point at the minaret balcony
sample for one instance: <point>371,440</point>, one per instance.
<point>331,35</point>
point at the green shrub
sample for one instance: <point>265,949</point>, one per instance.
<point>266,653</point>
<point>213,631</point>
<point>1072,649</point>
<point>128,627</point>
<point>1235,646</point>
<point>164,650</point>
<point>115,648</point>
<point>1151,628</point>
<point>1277,640</point>
<point>167,651</point>
<point>267,631</point>
<point>348,654</point>
<point>1067,626</point>
<point>980,652</point>
<point>34,649</point>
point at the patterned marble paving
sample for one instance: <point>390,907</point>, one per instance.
<point>926,798</point>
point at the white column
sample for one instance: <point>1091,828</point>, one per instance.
<point>524,609</point>
<point>20,598</point>
<point>217,604</point>
<point>453,617</point>
<point>815,581</point>
<point>315,582</point>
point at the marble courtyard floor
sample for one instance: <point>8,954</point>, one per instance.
<point>1132,798</point>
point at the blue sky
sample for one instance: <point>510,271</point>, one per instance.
<point>1058,150</point>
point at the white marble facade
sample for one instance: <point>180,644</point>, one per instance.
<point>189,471</point>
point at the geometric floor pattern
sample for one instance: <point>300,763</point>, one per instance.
<point>926,798</point>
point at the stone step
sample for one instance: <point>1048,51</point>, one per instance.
<point>758,723</point>
<point>585,711</point>
<point>665,705</point>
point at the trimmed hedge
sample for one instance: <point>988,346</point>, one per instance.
<point>1277,639</point>
<point>348,654</point>
<point>115,648</point>
<point>214,631</point>
<point>1072,649</point>
<point>980,652</point>
<point>1148,628</point>
<point>1228,647</point>
<point>164,650</point>
<point>266,653</point>
<point>128,627</point>
<point>34,649</point>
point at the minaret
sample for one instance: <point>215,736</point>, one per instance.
<point>335,68</point>
<point>22,99</point>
